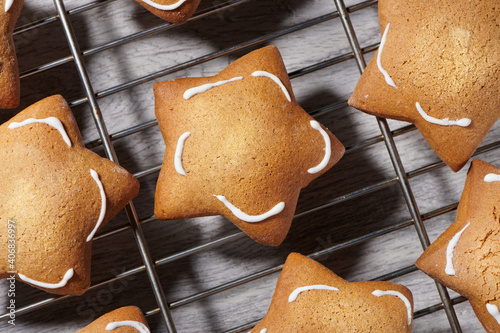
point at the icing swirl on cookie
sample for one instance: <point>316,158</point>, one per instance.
<point>69,274</point>
<point>102,213</point>
<point>201,89</point>
<point>264,330</point>
<point>8,5</point>
<point>387,77</point>
<point>164,7</point>
<point>402,297</point>
<point>464,122</point>
<point>51,121</point>
<point>450,269</point>
<point>296,292</point>
<point>492,177</point>
<point>251,218</point>
<point>275,79</point>
<point>493,310</point>
<point>178,154</point>
<point>327,149</point>
<point>128,323</point>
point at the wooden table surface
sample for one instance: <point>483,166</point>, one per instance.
<point>368,225</point>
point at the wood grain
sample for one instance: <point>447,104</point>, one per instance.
<point>175,47</point>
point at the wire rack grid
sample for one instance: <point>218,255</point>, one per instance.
<point>165,306</point>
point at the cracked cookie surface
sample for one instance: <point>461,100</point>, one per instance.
<point>465,257</point>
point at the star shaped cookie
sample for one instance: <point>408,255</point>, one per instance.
<point>311,298</point>
<point>438,67</point>
<point>239,145</point>
<point>9,72</point>
<point>466,256</point>
<point>55,195</point>
<point>125,319</point>
<point>173,11</point>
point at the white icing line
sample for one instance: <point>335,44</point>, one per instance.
<point>51,121</point>
<point>388,79</point>
<point>95,176</point>
<point>64,281</point>
<point>493,310</point>
<point>275,79</point>
<point>296,292</point>
<point>405,300</point>
<point>492,177</point>
<point>129,323</point>
<point>164,7</point>
<point>264,330</point>
<point>464,122</point>
<point>8,5</point>
<point>178,154</point>
<point>450,270</point>
<point>327,149</point>
<point>201,89</point>
<point>250,218</point>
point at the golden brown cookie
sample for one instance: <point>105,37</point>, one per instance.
<point>128,319</point>
<point>438,67</point>
<point>9,72</point>
<point>239,145</point>
<point>311,298</point>
<point>173,11</point>
<point>466,256</point>
<point>55,195</point>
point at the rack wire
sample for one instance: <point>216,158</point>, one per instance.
<point>135,223</point>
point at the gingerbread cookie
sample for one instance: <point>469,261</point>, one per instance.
<point>311,298</point>
<point>123,320</point>
<point>438,67</point>
<point>173,11</point>
<point>466,256</point>
<point>239,145</point>
<point>55,195</point>
<point>9,72</point>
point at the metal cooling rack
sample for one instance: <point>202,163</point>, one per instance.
<point>106,139</point>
